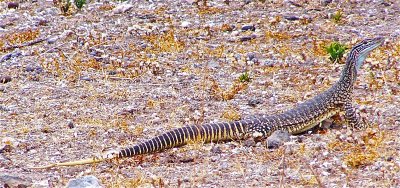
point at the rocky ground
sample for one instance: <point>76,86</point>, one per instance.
<point>74,84</point>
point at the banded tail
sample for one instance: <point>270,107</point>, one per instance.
<point>177,137</point>
<point>211,132</point>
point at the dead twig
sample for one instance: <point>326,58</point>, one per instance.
<point>30,43</point>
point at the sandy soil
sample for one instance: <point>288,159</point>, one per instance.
<point>105,77</point>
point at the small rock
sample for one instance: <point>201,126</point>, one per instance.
<point>122,8</point>
<point>326,2</point>
<point>32,68</point>
<point>253,102</point>
<point>14,181</point>
<point>216,149</point>
<point>235,33</point>
<point>185,24</point>
<point>86,78</point>
<point>248,27</point>
<point>5,79</point>
<point>251,56</point>
<point>247,38</point>
<point>291,18</point>
<point>84,182</point>
<point>295,4</point>
<point>13,5</point>
<point>70,125</point>
<point>52,40</point>
<point>39,184</point>
<point>326,124</point>
<point>249,142</point>
<point>224,165</point>
<point>2,89</point>
<point>277,139</point>
<point>112,72</point>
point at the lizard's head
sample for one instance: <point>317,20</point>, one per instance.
<point>360,51</point>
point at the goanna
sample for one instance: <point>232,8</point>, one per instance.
<point>303,117</point>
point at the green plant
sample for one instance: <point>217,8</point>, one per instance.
<point>336,51</point>
<point>80,3</point>
<point>245,77</point>
<point>65,6</point>
<point>337,16</point>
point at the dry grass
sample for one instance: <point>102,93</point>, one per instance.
<point>147,74</point>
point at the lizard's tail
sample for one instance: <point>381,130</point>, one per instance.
<point>211,132</point>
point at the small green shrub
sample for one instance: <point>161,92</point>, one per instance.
<point>336,51</point>
<point>337,16</point>
<point>245,77</point>
<point>65,6</point>
<point>80,3</point>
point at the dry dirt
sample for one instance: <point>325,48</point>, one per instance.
<point>105,77</point>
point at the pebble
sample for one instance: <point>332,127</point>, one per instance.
<point>5,79</point>
<point>249,142</point>
<point>112,72</point>
<point>186,24</point>
<point>86,78</point>
<point>235,33</point>
<point>247,38</point>
<point>251,56</point>
<point>277,139</point>
<point>14,181</point>
<point>13,5</point>
<point>70,125</point>
<point>248,27</point>
<point>253,102</point>
<point>84,182</point>
<point>216,149</point>
<point>291,18</point>
<point>326,2</point>
<point>33,68</point>
<point>52,40</point>
<point>224,165</point>
<point>122,8</point>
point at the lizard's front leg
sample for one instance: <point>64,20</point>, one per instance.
<point>353,118</point>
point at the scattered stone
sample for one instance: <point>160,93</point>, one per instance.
<point>224,165</point>
<point>253,102</point>
<point>291,18</point>
<point>122,8</point>
<point>187,160</point>
<point>251,56</point>
<point>14,181</point>
<point>52,40</point>
<point>5,79</point>
<point>216,149</point>
<point>86,78</point>
<point>248,27</point>
<point>2,89</point>
<point>71,125</point>
<point>295,4</point>
<point>326,124</point>
<point>249,142</point>
<point>277,139</point>
<point>326,2</point>
<point>247,38</point>
<point>13,5</point>
<point>84,182</point>
<point>185,24</point>
<point>112,72</point>
<point>39,184</point>
<point>33,69</point>
<point>5,148</point>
